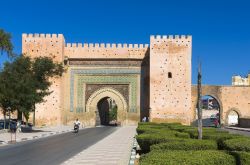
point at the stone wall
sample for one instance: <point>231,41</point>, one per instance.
<point>35,45</point>
<point>230,98</point>
<point>170,78</point>
<point>104,51</point>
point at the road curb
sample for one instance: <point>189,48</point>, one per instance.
<point>238,129</point>
<point>38,136</point>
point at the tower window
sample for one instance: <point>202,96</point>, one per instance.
<point>169,75</point>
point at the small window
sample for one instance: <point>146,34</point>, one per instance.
<point>169,75</point>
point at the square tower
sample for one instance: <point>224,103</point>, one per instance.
<point>170,78</point>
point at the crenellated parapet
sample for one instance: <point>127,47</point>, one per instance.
<point>50,45</point>
<point>90,50</point>
<point>170,44</point>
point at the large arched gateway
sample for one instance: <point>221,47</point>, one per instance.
<point>99,97</point>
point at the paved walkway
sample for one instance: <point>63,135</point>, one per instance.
<point>6,137</point>
<point>115,149</point>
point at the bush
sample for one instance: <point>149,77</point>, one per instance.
<point>237,144</point>
<point>182,135</point>
<point>206,157</point>
<point>146,140</point>
<point>220,138</point>
<point>190,144</point>
<point>242,158</point>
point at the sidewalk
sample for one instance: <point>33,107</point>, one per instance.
<point>5,137</point>
<point>239,128</point>
<point>115,149</point>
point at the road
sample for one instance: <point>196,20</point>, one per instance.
<point>52,150</point>
<point>241,132</point>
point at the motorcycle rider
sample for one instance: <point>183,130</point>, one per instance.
<point>77,124</point>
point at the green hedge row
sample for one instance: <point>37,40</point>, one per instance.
<point>189,144</point>
<point>146,140</point>
<point>205,157</point>
<point>237,144</point>
<point>242,158</point>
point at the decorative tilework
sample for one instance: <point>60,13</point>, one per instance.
<point>108,76</point>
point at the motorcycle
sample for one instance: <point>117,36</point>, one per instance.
<point>76,128</point>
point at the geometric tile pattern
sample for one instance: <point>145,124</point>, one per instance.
<point>102,76</point>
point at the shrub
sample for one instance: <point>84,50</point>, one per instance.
<point>206,157</point>
<point>182,135</point>
<point>146,140</point>
<point>220,138</point>
<point>189,144</point>
<point>242,158</point>
<point>237,144</point>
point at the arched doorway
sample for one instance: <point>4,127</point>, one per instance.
<point>211,111</point>
<point>107,112</point>
<point>102,100</point>
<point>233,118</point>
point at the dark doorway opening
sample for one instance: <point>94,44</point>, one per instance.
<point>107,112</point>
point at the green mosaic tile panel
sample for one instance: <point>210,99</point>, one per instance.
<point>131,80</point>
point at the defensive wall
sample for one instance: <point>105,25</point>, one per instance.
<point>230,98</point>
<point>153,80</point>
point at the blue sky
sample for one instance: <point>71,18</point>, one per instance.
<point>220,28</point>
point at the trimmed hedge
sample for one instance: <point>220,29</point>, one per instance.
<point>237,144</point>
<point>242,158</point>
<point>182,135</point>
<point>146,140</point>
<point>205,157</point>
<point>191,144</point>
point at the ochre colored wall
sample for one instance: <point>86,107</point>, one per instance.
<point>35,45</point>
<point>170,98</point>
<point>230,98</point>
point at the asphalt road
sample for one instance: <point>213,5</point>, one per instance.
<point>246,133</point>
<point>52,150</point>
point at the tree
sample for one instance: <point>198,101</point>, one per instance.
<point>199,104</point>
<point>5,43</point>
<point>25,82</point>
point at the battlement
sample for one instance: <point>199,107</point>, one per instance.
<point>107,45</point>
<point>181,37</point>
<point>102,50</point>
<point>42,35</point>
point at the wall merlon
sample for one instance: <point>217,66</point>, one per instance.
<point>30,35</point>
<point>79,45</point>
<point>102,45</point>
<point>24,35</point>
<point>54,35</point>
<point>42,35</point>
<point>108,45</point>
<point>158,37</point>
<point>176,37</point>
<point>85,45</point>
<point>48,35</point>
<point>170,37</point>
